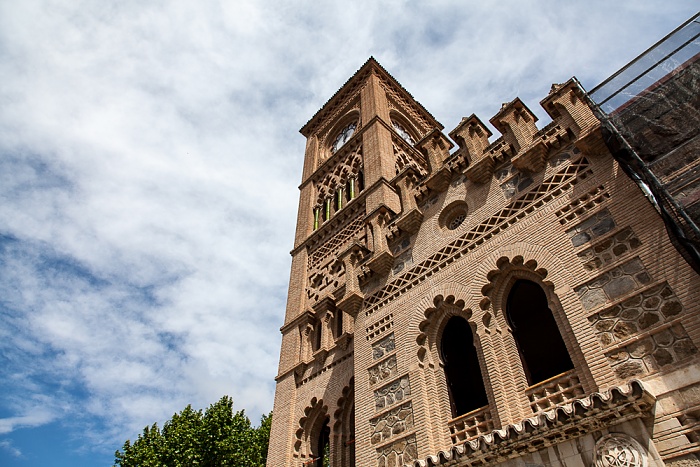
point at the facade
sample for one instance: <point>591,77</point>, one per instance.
<point>513,301</point>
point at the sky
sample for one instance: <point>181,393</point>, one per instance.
<point>149,165</point>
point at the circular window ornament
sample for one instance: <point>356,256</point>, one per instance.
<point>454,215</point>
<point>343,137</point>
<point>457,220</point>
<point>619,450</point>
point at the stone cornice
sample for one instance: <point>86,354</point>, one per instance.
<point>571,420</point>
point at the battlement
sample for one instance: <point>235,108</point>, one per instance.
<point>521,142</point>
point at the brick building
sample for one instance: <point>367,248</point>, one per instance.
<point>510,301</point>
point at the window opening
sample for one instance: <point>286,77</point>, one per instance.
<point>318,335</point>
<point>403,133</point>
<point>540,345</point>
<point>462,370</point>
<point>457,220</point>
<point>338,323</point>
<point>360,181</point>
<point>343,137</point>
<point>323,447</point>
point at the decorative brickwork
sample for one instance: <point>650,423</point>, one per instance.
<point>383,347</point>
<point>593,227</point>
<point>383,370</point>
<point>608,251</point>
<point>345,167</point>
<point>501,221</point>
<point>404,158</point>
<point>391,424</point>
<point>353,230</point>
<point>380,326</point>
<point>555,391</point>
<point>470,425</point>
<point>392,393</point>
<point>582,205</point>
<point>642,333</point>
<point>613,284</point>
<point>398,453</point>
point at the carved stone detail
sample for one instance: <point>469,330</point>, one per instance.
<point>619,450</point>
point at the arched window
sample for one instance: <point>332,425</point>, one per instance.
<point>462,370</point>
<point>323,446</point>
<point>541,347</point>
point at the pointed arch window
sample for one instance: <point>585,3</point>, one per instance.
<point>541,347</point>
<point>462,370</point>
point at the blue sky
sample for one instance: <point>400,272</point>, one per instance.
<point>149,164</point>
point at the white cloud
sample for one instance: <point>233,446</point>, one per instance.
<point>148,170</point>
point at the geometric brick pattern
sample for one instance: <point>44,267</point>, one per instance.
<point>642,333</point>
<point>392,393</point>
<point>582,205</point>
<point>392,423</point>
<point>398,453</point>
<point>613,284</point>
<point>500,221</point>
<point>606,252</point>
<point>380,326</point>
<point>383,370</point>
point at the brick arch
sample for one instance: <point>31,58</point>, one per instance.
<point>557,271</point>
<point>343,451</point>
<point>315,415</point>
<point>496,276</point>
<point>450,293</point>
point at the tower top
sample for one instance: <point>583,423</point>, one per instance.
<point>351,86</point>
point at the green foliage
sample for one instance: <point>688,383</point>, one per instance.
<point>217,437</point>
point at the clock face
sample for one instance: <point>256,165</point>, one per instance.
<point>344,136</point>
<point>403,133</point>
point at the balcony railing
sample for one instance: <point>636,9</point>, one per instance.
<point>470,425</point>
<point>554,391</point>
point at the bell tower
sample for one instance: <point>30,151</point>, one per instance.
<point>365,149</point>
<point>514,301</point>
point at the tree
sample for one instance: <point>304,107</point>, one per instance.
<point>217,437</point>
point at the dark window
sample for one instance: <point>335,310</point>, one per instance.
<point>541,347</point>
<point>317,336</point>
<point>462,371</point>
<point>360,181</point>
<point>338,323</point>
<point>322,453</point>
